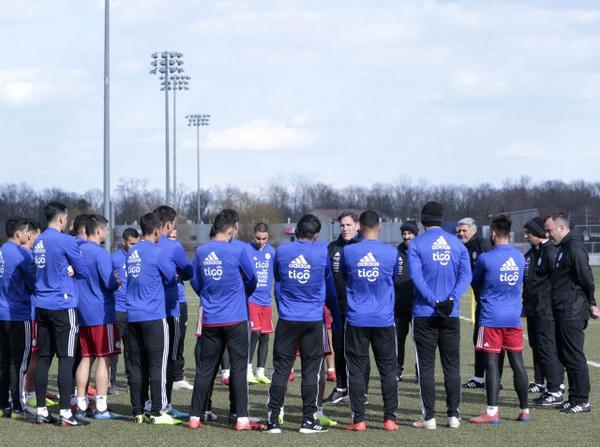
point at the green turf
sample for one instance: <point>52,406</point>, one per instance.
<point>547,427</point>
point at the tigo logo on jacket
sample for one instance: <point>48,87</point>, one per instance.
<point>299,269</point>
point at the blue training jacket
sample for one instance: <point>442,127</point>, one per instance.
<point>262,261</point>
<point>177,254</point>
<point>16,283</point>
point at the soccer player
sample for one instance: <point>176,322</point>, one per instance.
<point>498,276</point>
<point>185,272</point>
<point>218,268</point>
<point>302,270</point>
<point>440,269</point>
<point>98,334</point>
<point>16,282</point>
<point>349,234</point>
<point>58,262</point>
<point>537,307</point>
<point>119,264</point>
<point>404,291</point>
<point>476,245</point>
<point>149,271</point>
<point>572,284</point>
<point>370,269</point>
<point>262,256</point>
<point>79,229</point>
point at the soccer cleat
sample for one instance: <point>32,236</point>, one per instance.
<point>164,419</point>
<point>336,396</point>
<point>523,415</point>
<point>52,396</point>
<point>141,419</point>
<point>177,414</point>
<point>453,422</point>
<point>43,420</point>
<point>225,381</point>
<point>325,421</point>
<point>209,416</point>
<point>182,385</point>
<point>390,425</point>
<point>21,415</point>
<point>280,418</point>
<point>71,422</point>
<point>577,407</point>
<point>331,376</point>
<point>472,383</point>
<point>233,418</point>
<point>486,419</point>
<point>357,426</point>
<point>366,399</point>
<point>399,377</point>
<point>536,388</point>
<point>273,428</point>
<point>91,390</point>
<point>261,378</point>
<point>194,423</point>
<point>33,402</point>
<point>312,427</point>
<point>563,406</point>
<point>250,425</point>
<point>292,376</point>
<point>107,414</point>
<point>548,399</point>
<point>251,378</point>
<point>428,424</point>
<point>113,390</point>
<point>5,413</point>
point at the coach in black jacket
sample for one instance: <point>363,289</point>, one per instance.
<point>537,305</point>
<point>349,234</point>
<point>572,304</point>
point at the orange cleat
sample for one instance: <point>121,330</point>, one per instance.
<point>91,390</point>
<point>359,426</point>
<point>486,419</point>
<point>195,423</point>
<point>225,381</point>
<point>248,426</point>
<point>390,425</point>
<point>331,376</point>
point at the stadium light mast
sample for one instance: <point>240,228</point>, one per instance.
<point>197,121</point>
<point>177,82</point>
<point>165,63</point>
<point>106,210</point>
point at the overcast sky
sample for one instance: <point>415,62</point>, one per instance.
<point>343,92</point>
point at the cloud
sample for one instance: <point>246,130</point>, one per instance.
<point>260,135</point>
<point>522,150</point>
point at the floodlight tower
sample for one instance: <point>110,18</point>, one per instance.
<point>198,121</point>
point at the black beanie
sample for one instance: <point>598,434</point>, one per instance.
<point>410,225</point>
<point>432,214</point>
<point>536,227</point>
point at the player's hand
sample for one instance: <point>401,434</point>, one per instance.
<point>444,308</point>
<point>70,271</point>
<point>594,312</point>
<point>118,279</point>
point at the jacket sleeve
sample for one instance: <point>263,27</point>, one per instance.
<point>183,263</point>
<point>74,257</point>
<point>105,271</point>
<point>247,268</point>
<point>478,274</point>
<point>167,269</point>
<point>331,300</point>
<point>464,275</point>
<point>583,272</point>
<point>196,281</point>
<point>416,272</point>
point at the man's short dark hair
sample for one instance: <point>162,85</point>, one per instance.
<point>33,225</point>
<point>149,222</point>
<point>15,224</point>
<point>501,224</point>
<point>233,214</point>
<point>308,226</point>
<point>261,227</point>
<point>79,223</point>
<point>166,214</point>
<point>223,222</point>
<point>559,218</point>
<point>54,209</point>
<point>369,219</point>
<point>93,222</point>
<point>348,214</point>
<point>130,232</point>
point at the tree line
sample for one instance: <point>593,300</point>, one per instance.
<point>280,200</point>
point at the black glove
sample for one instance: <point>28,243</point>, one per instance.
<point>444,308</point>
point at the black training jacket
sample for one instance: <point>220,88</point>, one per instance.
<point>335,252</point>
<point>537,288</point>
<point>403,287</point>
<point>572,281</point>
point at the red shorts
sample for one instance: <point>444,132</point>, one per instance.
<point>327,317</point>
<point>34,341</point>
<point>326,346</point>
<point>496,339</point>
<point>261,318</point>
<point>99,341</point>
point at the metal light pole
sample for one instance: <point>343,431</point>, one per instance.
<point>197,121</point>
<point>106,210</point>
<point>176,83</point>
<point>169,63</point>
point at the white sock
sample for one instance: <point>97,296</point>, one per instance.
<point>260,371</point>
<point>66,413</point>
<point>224,373</point>
<point>42,411</point>
<point>82,403</point>
<point>491,411</point>
<point>331,369</point>
<point>29,395</point>
<point>282,412</point>
<point>319,412</point>
<point>243,420</point>
<point>101,404</point>
<point>194,418</point>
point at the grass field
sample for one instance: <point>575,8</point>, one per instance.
<point>547,427</point>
